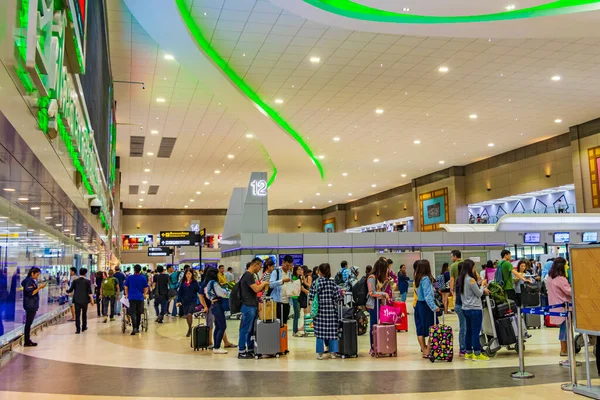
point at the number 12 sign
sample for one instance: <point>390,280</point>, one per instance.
<point>259,188</point>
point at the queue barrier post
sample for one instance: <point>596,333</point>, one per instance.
<point>521,373</point>
<point>571,352</point>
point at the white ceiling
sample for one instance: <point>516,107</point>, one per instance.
<point>507,83</point>
<point>450,7</point>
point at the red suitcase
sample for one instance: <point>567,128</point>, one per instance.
<point>402,325</point>
<point>549,324</point>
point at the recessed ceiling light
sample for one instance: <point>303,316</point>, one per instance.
<point>318,194</point>
<point>279,101</point>
<point>443,69</point>
<point>249,135</point>
<point>330,201</point>
<point>48,217</point>
<point>301,201</point>
<point>169,57</point>
<point>349,194</point>
<point>230,156</point>
<point>330,184</point>
<point>376,160</point>
<point>160,100</point>
<point>66,230</point>
<point>147,170</point>
<point>186,206</point>
<point>510,7</point>
<point>144,182</point>
<point>141,199</point>
<point>441,161</point>
<point>143,192</point>
<point>9,189</point>
<point>336,139</point>
<point>490,144</point>
<point>191,200</point>
<point>558,120</point>
<point>379,111</point>
<point>154,132</point>
<point>23,199</point>
<point>321,157</point>
<point>556,78</point>
<point>58,225</point>
<point>314,207</point>
<point>315,60</point>
<point>373,185</point>
<point>417,142</point>
<point>403,175</point>
<point>406,9</point>
<point>150,153</point>
<point>217,171</point>
<point>35,208</point>
<point>473,116</point>
<point>345,174</point>
<point>207,183</point>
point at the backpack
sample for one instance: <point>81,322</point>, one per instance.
<point>360,292</point>
<point>498,278</point>
<point>440,282</point>
<point>339,279</point>
<point>109,287</point>
<point>276,278</point>
<point>235,298</point>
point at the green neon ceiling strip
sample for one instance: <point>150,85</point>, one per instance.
<point>352,9</point>
<point>242,85</point>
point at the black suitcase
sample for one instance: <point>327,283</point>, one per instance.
<point>348,343</point>
<point>504,309</point>
<point>505,331</point>
<point>200,337</point>
<point>530,295</point>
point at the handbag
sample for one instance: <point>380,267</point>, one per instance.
<point>172,293</point>
<point>389,315</point>
<point>314,307</point>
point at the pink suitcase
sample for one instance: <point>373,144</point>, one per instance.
<point>384,340</point>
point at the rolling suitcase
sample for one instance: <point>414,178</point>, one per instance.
<point>503,309</point>
<point>267,337</point>
<point>348,334</point>
<point>402,325</point>
<point>283,339</point>
<point>549,324</point>
<point>530,295</point>
<point>384,339</point>
<point>533,321</point>
<point>200,337</point>
<point>441,340</point>
<point>505,331</point>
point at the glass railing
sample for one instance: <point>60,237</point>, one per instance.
<point>564,209</point>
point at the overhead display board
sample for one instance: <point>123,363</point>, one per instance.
<point>585,280</point>
<point>178,238</point>
<point>159,251</point>
<point>298,258</point>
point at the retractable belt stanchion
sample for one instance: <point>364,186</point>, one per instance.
<point>571,352</point>
<point>521,373</point>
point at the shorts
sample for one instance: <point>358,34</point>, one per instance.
<point>70,300</point>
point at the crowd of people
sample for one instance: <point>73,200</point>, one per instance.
<point>191,291</point>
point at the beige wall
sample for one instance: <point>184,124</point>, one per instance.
<point>456,200</point>
<point>581,172</point>
<point>388,209</point>
<point>340,220</point>
<point>295,223</point>
<point>520,177</point>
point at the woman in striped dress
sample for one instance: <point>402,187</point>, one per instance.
<point>326,321</point>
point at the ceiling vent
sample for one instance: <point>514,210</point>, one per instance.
<point>136,146</point>
<point>153,189</point>
<point>133,189</point>
<point>166,147</point>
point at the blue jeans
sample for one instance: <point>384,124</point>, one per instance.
<point>247,328</point>
<point>163,304</point>
<point>474,319</point>
<point>296,306</point>
<point>462,334</point>
<point>403,297</point>
<point>372,322</point>
<point>118,303</point>
<point>220,324</point>
<point>562,331</point>
<point>331,344</point>
<point>174,312</point>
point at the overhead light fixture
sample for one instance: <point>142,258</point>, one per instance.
<point>198,193</point>
<point>345,174</point>
<point>186,206</point>
<point>510,7</point>
<point>217,171</point>
<point>207,183</point>
<point>473,116</point>
<point>376,160</point>
<point>336,139</point>
<point>441,161</point>
<point>154,132</point>
<point>417,142</point>
<point>321,157</point>
<point>330,201</point>
<point>278,101</point>
<point>349,194</point>
<point>160,100</point>
<point>443,69</point>
<point>144,182</point>
<point>330,184</point>
<point>558,120</point>
<point>48,217</point>
<point>66,230</point>
<point>373,185</point>
<point>23,199</point>
<point>556,78</point>
<point>35,208</point>
<point>315,60</point>
<point>143,192</point>
<point>58,225</point>
<point>379,111</point>
<point>147,170</point>
<point>230,156</point>
<point>406,9</point>
<point>191,200</point>
<point>9,189</point>
<point>300,201</point>
<point>318,194</point>
<point>403,175</point>
<point>249,135</point>
<point>141,199</point>
<point>169,56</point>
<point>150,153</point>
<point>490,144</point>
<point>314,207</point>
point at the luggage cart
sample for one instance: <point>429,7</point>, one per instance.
<point>490,343</point>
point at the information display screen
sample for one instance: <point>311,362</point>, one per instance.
<point>589,237</point>
<point>298,258</point>
<point>531,237</point>
<point>159,251</point>
<point>562,237</point>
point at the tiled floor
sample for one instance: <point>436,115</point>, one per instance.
<point>160,364</point>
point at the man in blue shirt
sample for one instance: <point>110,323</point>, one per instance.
<point>120,277</point>
<point>136,289</point>
<point>280,276</point>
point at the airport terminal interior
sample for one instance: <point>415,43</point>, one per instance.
<point>316,199</point>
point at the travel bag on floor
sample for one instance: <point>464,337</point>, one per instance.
<point>402,323</point>
<point>348,335</point>
<point>283,339</point>
<point>384,340</point>
<point>549,324</point>
<point>441,340</point>
<point>200,337</point>
<point>505,331</point>
<point>533,321</point>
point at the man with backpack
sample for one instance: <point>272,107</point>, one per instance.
<point>173,286</point>
<point>342,276</point>
<point>279,277</point>
<point>108,293</point>
<point>506,274</point>
<point>360,289</point>
<point>455,256</point>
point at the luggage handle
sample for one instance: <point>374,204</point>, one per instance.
<point>267,299</point>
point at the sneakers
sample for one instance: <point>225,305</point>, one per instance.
<point>112,319</point>
<point>480,357</point>
<point>333,356</point>
<point>30,344</point>
<point>245,356</point>
<point>105,319</point>
<point>461,354</point>
<point>319,356</point>
<point>469,356</point>
<point>220,351</point>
